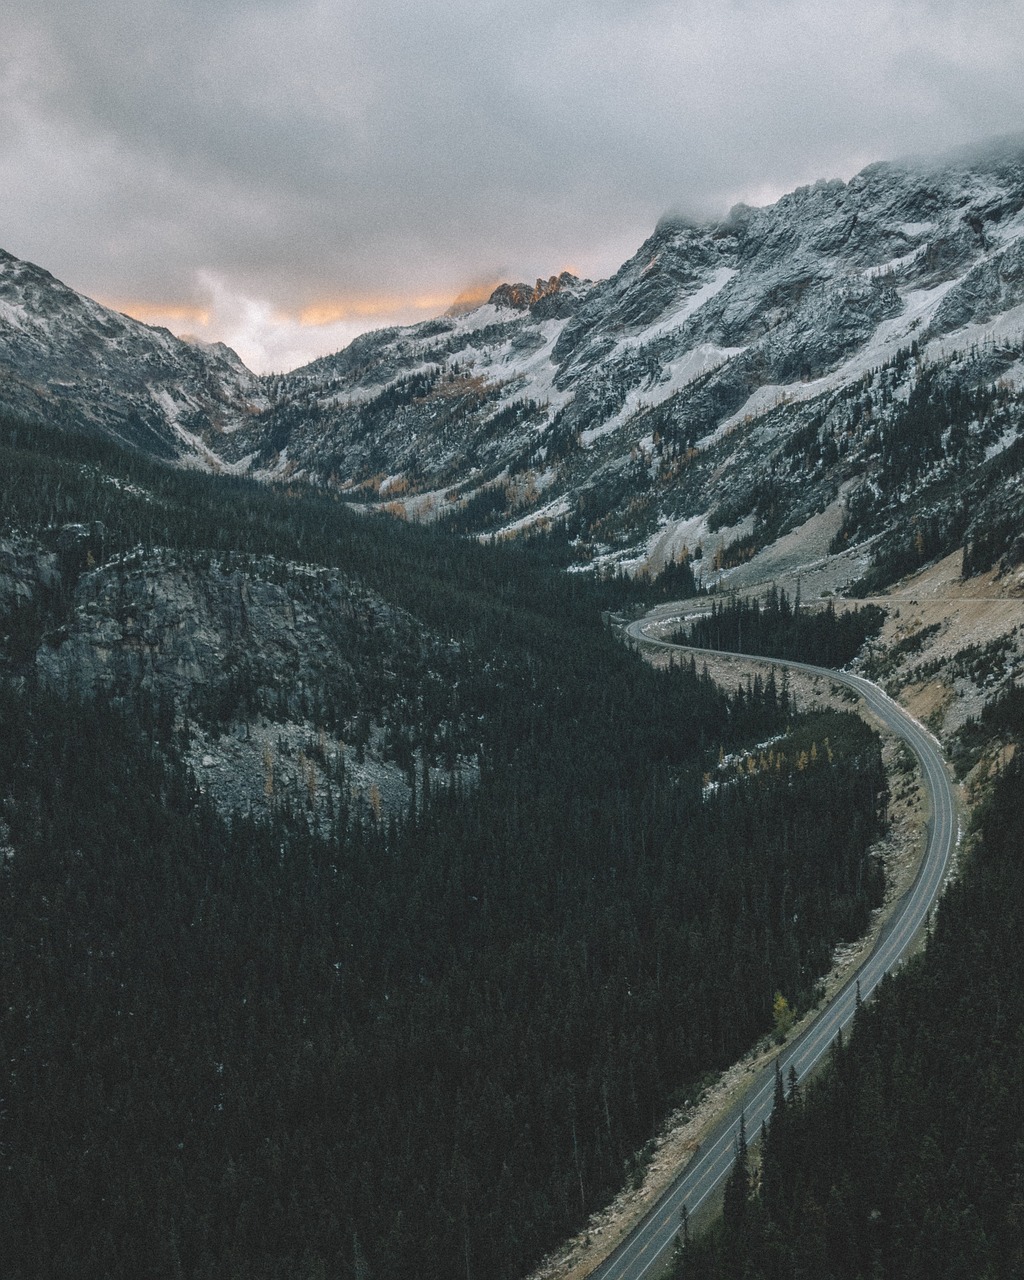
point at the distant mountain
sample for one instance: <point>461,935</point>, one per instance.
<point>843,367</point>
<point>67,359</point>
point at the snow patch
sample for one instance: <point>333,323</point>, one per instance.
<point>483,316</point>
<point>1009,230</point>
<point>553,511</point>
<point>888,338</point>
<point>166,404</point>
<point>1004,442</point>
<point>675,377</point>
<point>682,313</point>
<point>893,266</point>
<point>12,315</point>
<point>531,371</point>
<point>666,545</point>
<point>1005,328</point>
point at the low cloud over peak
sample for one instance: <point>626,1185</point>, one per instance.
<point>298,152</point>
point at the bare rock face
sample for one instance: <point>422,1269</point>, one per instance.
<point>30,579</point>
<point>26,571</point>
<point>521,297</point>
<point>289,683</point>
<point>173,628</point>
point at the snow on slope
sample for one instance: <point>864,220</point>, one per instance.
<point>110,373</point>
<point>730,381</point>
<point>652,400</point>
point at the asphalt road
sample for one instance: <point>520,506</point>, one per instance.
<point>645,1253</point>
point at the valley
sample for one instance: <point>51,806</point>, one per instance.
<point>366,902</point>
<point>969,615</point>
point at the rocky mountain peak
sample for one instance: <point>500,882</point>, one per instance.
<point>521,297</point>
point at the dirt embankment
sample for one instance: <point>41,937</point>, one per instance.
<point>949,644</point>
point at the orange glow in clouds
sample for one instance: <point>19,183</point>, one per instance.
<point>159,313</point>
<point>370,308</point>
<point>383,308</point>
<point>272,339</point>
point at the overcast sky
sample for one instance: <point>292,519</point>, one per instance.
<point>282,175</point>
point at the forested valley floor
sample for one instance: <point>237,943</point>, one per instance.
<point>422,1046</point>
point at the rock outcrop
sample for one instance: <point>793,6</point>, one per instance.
<point>289,683</point>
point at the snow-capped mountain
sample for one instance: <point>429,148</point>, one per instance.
<point>851,356</point>
<point>849,350</point>
<point>68,359</point>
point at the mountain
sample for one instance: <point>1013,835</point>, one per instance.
<point>365,904</point>
<point>846,362</point>
<point>854,350</point>
<point>67,359</point>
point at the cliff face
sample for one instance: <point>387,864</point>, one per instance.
<point>26,572</point>
<point>171,628</point>
<point>286,682</point>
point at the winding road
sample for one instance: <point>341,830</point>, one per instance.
<point>646,1251</point>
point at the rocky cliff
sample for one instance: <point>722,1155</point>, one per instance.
<point>282,682</point>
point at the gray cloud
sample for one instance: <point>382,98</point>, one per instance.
<point>300,152</point>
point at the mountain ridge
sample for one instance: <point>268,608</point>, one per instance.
<point>730,382</point>
<point>64,356</point>
<point>674,390</point>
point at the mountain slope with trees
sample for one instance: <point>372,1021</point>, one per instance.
<point>407,1046</point>
<point>292,1030</point>
<point>905,1159</point>
<point>854,349</point>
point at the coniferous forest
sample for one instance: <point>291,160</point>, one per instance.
<point>780,628</point>
<point>907,1158</point>
<point>419,1047</point>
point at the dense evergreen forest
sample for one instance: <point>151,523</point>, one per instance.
<point>780,628</point>
<point>907,1159</point>
<point>417,1048</point>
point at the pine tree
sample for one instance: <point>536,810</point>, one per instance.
<point>735,1207</point>
<point>737,1187</point>
<point>774,1152</point>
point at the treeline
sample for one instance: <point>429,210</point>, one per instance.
<point>50,478</point>
<point>947,451</point>
<point>942,419</point>
<point>994,535</point>
<point>779,628</point>
<point>907,1159</point>
<point>1002,718</point>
